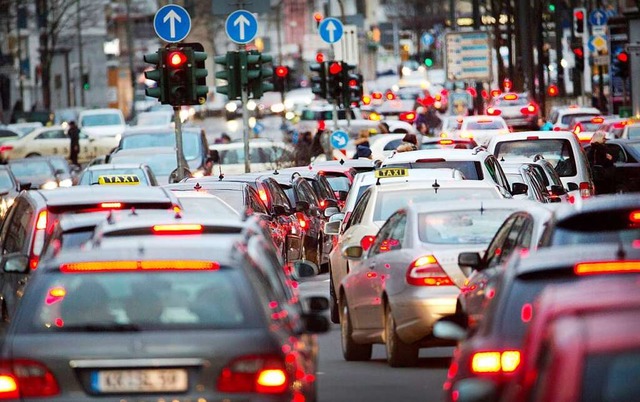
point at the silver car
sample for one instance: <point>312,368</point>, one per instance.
<point>410,276</point>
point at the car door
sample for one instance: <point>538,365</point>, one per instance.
<point>50,142</point>
<point>88,148</point>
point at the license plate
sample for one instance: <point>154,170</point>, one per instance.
<point>153,380</point>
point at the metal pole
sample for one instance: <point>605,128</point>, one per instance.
<point>280,57</point>
<point>80,56</point>
<point>476,26</point>
<point>179,149</point>
<point>20,78</point>
<point>452,15</point>
<point>244,97</point>
<point>132,73</point>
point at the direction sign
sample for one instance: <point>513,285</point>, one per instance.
<point>468,56</point>
<point>241,27</point>
<point>172,23</point>
<point>598,18</point>
<point>427,39</point>
<point>339,139</point>
<point>330,30</point>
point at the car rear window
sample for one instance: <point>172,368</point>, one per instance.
<point>614,226</point>
<point>556,151</point>
<point>190,142</point>
<point>31,168</point>
<point>566,119</point>
<point>519,101</point>
<point>633,132</point>
<point>461,227</point>
<point>611,377</point>
<point>5,180</point>
<point>470,170</point>
<point>485,125</point>
<point>91,176</point>
<point>235,198</point>
<point>122,301</point>
<point>339,183</point>
<point>390,201</point>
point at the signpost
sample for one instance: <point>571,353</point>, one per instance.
<point>241,27</point>
<point>468,56</point>
<point>339,139</point>
<point>427,40</point>
<point>330,30</point>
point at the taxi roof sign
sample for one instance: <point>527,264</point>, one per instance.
<point>128,179</point>
<point>391,172</point>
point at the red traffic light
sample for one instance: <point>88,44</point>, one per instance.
<point>282,71</point>
<point>623,57</point>
<point>317,17</point>
<point>176,59</point>
<point>319,57</point>
<point>353,83</point>
<point>335,68</point>
<point>578,52</point>
<point>553,90</point>
<point>472,91</point>
<point>578,15</point>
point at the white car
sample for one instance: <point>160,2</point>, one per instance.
<point>263,155</point>
<point>561,148</point>
<point>482,128</point>
<point>162,118</point>
<point>102,123</point>
<point>560,117</point>
<point>49,141</point>
<point>631,131</point>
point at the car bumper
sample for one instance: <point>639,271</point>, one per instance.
<point>416,310</point>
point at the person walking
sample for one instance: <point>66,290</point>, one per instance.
<point>74,137</point>
<point>602,164</point>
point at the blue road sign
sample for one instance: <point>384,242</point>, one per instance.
<point>598,18</point>
<point>339,139</point>
<point>427,39</point>
<point>330,30</point>
<point>241,26</point>
<point>172,23</point>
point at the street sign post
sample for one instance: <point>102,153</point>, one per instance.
<point>172,23</point>
<point>468,56</point>
<point>330,30</point>
<point>427,40</point>
<point>339,139</point>
<point>346,49</point>
<point>241,27</point>
<point>598,18</point>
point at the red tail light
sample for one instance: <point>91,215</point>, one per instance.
<point>4,148</point>
<point>578,129</point>
<point>585,189</point>
<point>390,96</point>
<point>426,271</point>
<point>111,205</point>
<point>408,116</point>
<point>38,239</point>
<point>367,242</point>
<point>302,221</point>
<point>606,267</point>
<point>495,362</point>
<point>323,204</point>
<point>263,196</point>
<point>257,374</point>
<point>377,95</point>
<point>26,379</point>
<point>493,111</point>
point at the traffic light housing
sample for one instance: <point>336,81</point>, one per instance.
<point>579,21</point>
<point>281,76</point>
<point>578,54</point>
<point>622,63</point>
<point>319,82</point>
<point>198,74</point>
<point>334,81</point>
<point>178,75</point>
<point>157,75</point>
<point>229,73</point>
<point>351,85</point>
<point>428,58</point>
<point>258,75</point>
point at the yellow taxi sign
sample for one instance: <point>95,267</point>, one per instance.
<point>391,172</point>
<point>130,179</point>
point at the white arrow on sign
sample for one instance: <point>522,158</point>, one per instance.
<point>331,27</point>
<point>242,21</point>
<point>172,16</point>
<point>340,140</point>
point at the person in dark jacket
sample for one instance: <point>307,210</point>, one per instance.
<point>602,164</point>
<point>74,137</point>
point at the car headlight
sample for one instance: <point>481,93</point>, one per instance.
<point>66,183</point>
<point>290,115</point>
<point>251,105</point>
<point>50,185</point>
<point>231,107</point>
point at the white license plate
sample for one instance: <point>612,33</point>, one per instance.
<point>153,380</point>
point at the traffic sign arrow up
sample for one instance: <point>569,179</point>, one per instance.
<point>172,17</point>
<point>242,21</point>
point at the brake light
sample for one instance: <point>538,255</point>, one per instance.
<point>111,205</point>
<point>466,134</point>
<point>445,142</point>
<point>41,223</point>
<point>366,99</point>
<point>5,148</point>
<point>366,242</point>
<point>38,239</point>
<point>177,229</point>
<point>323,203</point>
<point>597,120</point>
<point>510,97</point>
<point>258,374</point>
<point>585,189</point>
<point>263,196</point>
<point>149,265</point>
<point>408,116</point>
<point>491,111</point>
<point>495,362</point>
<point>426,271</point>
<point>634,216</point>
<point>377,95</point>
<point>606,267</point>
<point>526,313</point>
<point>530,109</point>
<point>302,221</point>
<point>430,160</point>
<point>26,379</point>
<point>390,96</point>
<point>533,137</point>
<point>578,129</point>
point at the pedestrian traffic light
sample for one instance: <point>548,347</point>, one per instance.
<point>579,21</point>
<point>351,85</point>
<point>622,63</point>
<point>157,75</point>
<point>258,74</point>
<point>319,82</point>
<point>178,75</point>
<point>578,54</point>
<point>334,81</point>
<point>552,6</point>
<point>230,73</point>
<point>280,79</point>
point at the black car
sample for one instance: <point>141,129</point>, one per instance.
<point>626,157</point>
<point>9,189</point>
<point>319,183</point>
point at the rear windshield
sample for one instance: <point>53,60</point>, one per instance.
<point>519,101</point>
<point>323,115</point>
<point>633,132</point>
<point>91,176</point>
<point>566,119</point>
<point>235,198</point>
<point>470,170</point>
<point>31,168</point>
<point>105,119</point>
<point>190,142</point>
<point>5,180</point>
<point>557,151</point>
<point>461,227</point>
<point>205,205</point>
<point>597,227</point>
<point>611,377</point>
<point>391,201</point>
<point>339,183</point>
<point>139,301</point>
<point>485,125</point>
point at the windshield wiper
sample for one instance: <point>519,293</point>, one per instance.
<point>102,327</point>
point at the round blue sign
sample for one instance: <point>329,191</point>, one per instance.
<point>339,139</point>
<point>241,27</point>
<point>330,30</point>
<point>172,23</point>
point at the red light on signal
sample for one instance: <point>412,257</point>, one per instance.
<point>335,68</point>
<point>623,57</point>
<point>317,17</point>
<point>282,71</point>
<point>444,92</point>
<point>484,94</point>
<point>552,90</point>
<point>472,91</point>
<point>353,83</point>
<point>176,59</point>
<point>319,57</point>
<point>579,15</point>
<point>578,52</point>
<point>507,84</point>
<point>495,93</point>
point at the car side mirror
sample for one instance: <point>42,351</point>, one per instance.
<point>519,188</point>
<point>331,202</point>
<point>305,269</point>
<point>475,390</point>
<point>572,186</point>
<point>342,195</point>
<point>337,217</point>
<point>59,172</point>
<point>330,211</point>
<point>471,260</point>
<point>302,206</point>
<point>557,189</point>
<point>332,228</point>
<point>214,155</point>
<point>15,263</point>
<point>353,253</point>
<point>25,186</point>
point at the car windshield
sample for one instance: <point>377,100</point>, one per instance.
<point>389,202</point>
<point>608,226</point>
<point>461,227</point>
<point>91,176</point>
<point>5,180</point>
<point>205,205</point>
<point>31,168</point>
<point>132,301</point>
<point>485,125</point>
<point>190,142</point>
<point>105,119</point>
<point>611,376</point>
<point>154,119</point>
<point>470,170</point>
<point>339,183</point>
<point>633,132</point>
<point>160,164</point>
<point>557,151</point>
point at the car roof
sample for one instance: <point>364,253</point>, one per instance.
<point>607,202</point>
<point>481,117</point>
<point>478,154</point>
<point>100,111</point>
<point>71,222</point>
<point>113,166</point>
<point>206,183</point>
<point>441,183</point>
<point>144,151</point>
<point>524,135</point>
<point>356,163</point>
<point>156,130</point>
<point>413,174</point>
<point>466,205</point>
<point>87,195</point>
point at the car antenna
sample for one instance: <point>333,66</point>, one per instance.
<point>620,253</point>
<point>221,176</point>
<point>435,185</point>
<point>133,211</point>
<point>481,208</point>
<point>197,187</point>
<point>502,159</point>
<point>276,171</point>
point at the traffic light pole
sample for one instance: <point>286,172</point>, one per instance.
<point>244,98</point>
<point>182,168</point>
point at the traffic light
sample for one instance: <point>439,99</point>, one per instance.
<point>428,58</point>
<point>198,76</point>
<point>553,90</point>
<point>157,75</point>
<point>578,54</point>
<point>85,82</point>
<point>178,74</point>
<point>319,82</point>
<point>280,79</point>
<point>579,21</point>
<point>552,6</point>
<point>258,75</point>
<point>230,73</point>
<point>622,63</point>
<point>334,81</point>
<point>351,85</point>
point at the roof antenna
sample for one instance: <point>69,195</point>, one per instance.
<point>621,254</point>
<point>221,176</point>
<point>502,159</point>
<point>481,208</point>
<point>341,161</point>
<point>435,185</point>
<point>197,187</point>
<point>276,171</point>
<point>178,215</point>
<point>133,211</point>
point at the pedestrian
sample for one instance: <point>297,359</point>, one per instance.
<point>602,164</point>
<point>544,125</point>
<point>421,117</point>
<point>363,138</point>
<point>423,129</point>
<point>303,149</point>
<point>316,146</point>
<point>363,152</point>
<point>409,143</point>
<point>74,138</point>
<point>433,121</point>
<point>383,128</point>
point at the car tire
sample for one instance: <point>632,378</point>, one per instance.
<point>333,301</point>
<point>351,351</point>
<point>399,354</point>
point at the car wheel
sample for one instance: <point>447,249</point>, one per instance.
<point>351,351</point>
<point>333,301</point>
<point>399,354</point>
